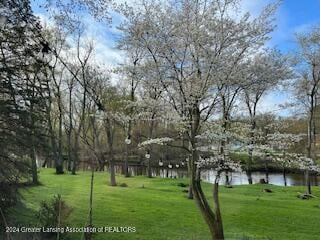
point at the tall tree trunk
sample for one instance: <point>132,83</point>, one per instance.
<point>88,235</point>
<point>149,173</point>
<point>59,165</point>
<point>51,132</point>
<point>223,143</point>
<point>34,169</point>
<point>81,127</point>
<point>252,112</point>
<point>126,163</point>
<point>112,174</point>
<point>70,151</point>
<point>33,147</point>
<point>200,199</point>
<point>218,219</point>
<point>110,135</point>
<point>311,134</point>
<point>249,164</point>
<point>309,146</point>
<point>190,192</point>
<point>75,157</point>
<point>112,167</point>
<point>213,221</point>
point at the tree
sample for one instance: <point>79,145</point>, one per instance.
<point>264,73</point>
<point>131,73</point>
<point>54,77</point>
<point>194,42</point>
<point>151,105</point>
<point>280,145</point>
<point>307,90</point>
<point>21,106</point>
<point>112,120</point>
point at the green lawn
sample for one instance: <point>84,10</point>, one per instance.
<point>161,211</point>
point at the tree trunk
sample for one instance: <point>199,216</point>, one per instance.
<point>204,207</point>
<point>59,163</point>
<point>213,221</point>
<point>75,157</point>
<point>57,160</point>
<point>190,192</point>
<point>252,113</point>
<point>248,167</point>
<point>88,235</point>
<point>308,182</point>
<point>151,127</point>
<point>111,161</point>
<point>75,160</point>
<point>218,223</point>
<point>311,137</point>
<point>149,173</point>
<point>249,176</point>
<point>126,164</point>
<point>267,170</point>
<point>227,178</point>
<point>70,157</point>
<point>34,166</point>
<point>284,177</point>
<point>34,169</point>
<point>112,174</point>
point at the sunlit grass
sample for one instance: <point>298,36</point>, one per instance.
<point>160,210</point>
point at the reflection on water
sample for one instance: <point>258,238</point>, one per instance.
<point>238,178</point>
<point>235,178</point>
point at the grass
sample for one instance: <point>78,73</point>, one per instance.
<point>161,211</point>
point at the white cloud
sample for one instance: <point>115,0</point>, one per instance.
<point>270,103</point>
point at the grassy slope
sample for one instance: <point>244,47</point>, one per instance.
<point>161,211</point>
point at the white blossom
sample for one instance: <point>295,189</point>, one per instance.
<point>159,141</point>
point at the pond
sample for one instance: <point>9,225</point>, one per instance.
<point>239,178</point>
<point>236,178</point>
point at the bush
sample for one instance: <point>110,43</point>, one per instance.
<point>53,213</point>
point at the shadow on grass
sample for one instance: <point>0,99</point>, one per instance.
<point>21,215</point>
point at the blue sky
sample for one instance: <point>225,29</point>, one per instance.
<point>292,16</point>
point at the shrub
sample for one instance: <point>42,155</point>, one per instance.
<point>53,213</point>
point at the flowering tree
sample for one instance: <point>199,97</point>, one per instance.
<point>265,70</point>
<point>195,43</point>
<point>308,80</point>
<point>280,145</point>
<point>152,106</point>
